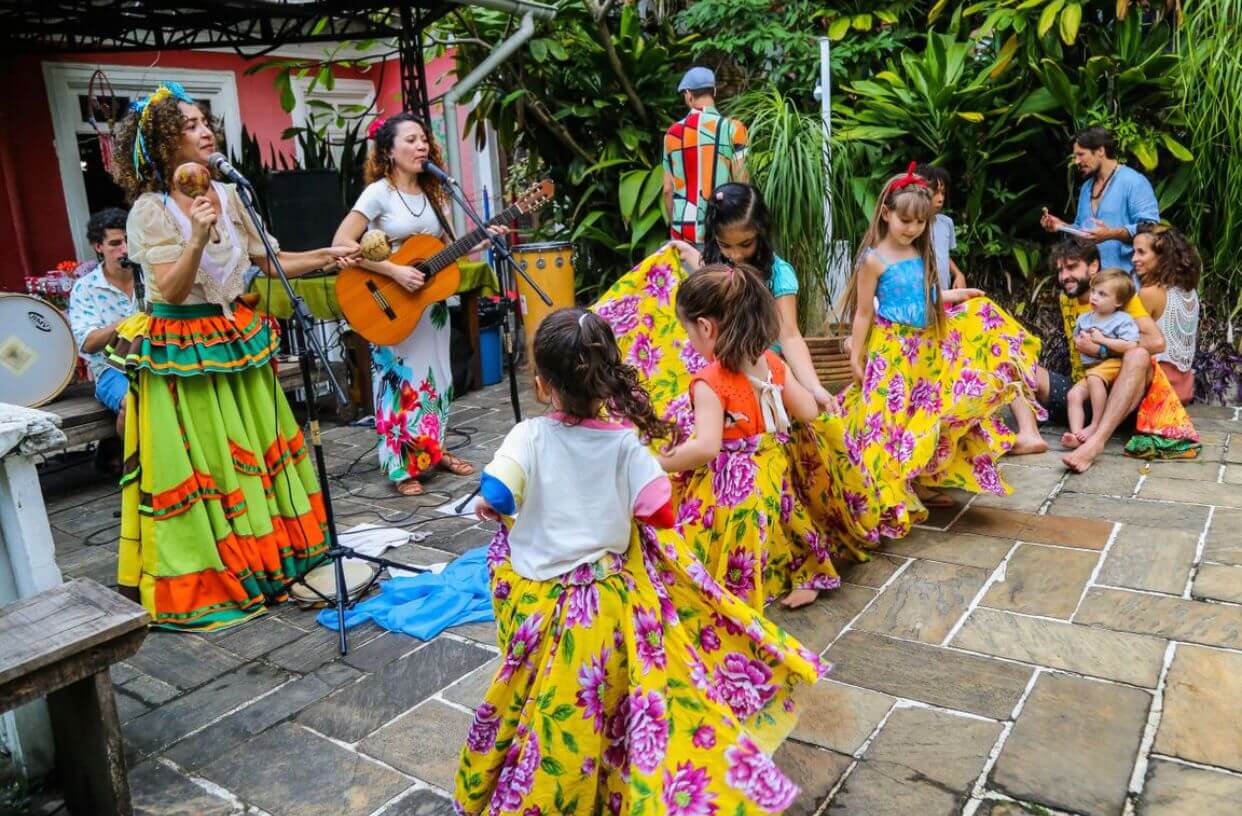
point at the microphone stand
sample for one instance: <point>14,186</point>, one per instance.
<point>308,340</point>
<point>508,312</point>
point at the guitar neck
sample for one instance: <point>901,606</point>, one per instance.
<point>464,244</point>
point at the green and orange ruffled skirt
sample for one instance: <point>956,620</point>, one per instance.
<point>220,505</point>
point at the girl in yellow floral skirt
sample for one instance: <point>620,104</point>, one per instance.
<point>631,681</point>
<point>932,368</point>
<point>737,507</point>
<point>841,498</point>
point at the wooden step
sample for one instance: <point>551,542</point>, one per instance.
<point>831,362</point>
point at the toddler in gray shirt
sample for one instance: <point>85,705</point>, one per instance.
<point>1114,332</point>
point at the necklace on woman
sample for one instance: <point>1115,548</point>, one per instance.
<point>404,203</point>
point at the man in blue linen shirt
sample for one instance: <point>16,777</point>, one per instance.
<point>1113,200</point>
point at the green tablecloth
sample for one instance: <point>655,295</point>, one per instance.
<point>320,293</point>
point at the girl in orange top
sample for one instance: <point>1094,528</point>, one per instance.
<point>737,508</point>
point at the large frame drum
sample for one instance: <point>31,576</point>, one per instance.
<point>37,352</point>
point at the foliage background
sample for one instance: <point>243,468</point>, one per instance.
<point>992,90</point>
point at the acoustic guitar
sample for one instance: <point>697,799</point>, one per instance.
<point>385,312</point>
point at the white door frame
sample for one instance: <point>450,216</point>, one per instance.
<point>64,81</point>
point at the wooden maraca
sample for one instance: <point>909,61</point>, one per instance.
<point>374,245</point>
<point>194,180</point>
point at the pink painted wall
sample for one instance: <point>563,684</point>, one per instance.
<point>33,221</point>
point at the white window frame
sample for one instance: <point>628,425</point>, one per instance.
<point>343,92</point>
<point>65,81</point>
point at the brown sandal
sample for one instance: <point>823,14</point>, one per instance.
<point>409,487</point>
<point>456,465</point>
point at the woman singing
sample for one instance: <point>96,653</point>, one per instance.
<point>414,380</point>
<point>220,506</point>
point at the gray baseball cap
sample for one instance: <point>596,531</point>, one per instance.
<point>696,78</point>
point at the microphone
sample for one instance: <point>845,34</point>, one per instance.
<point>127,263</point>
<point>221,166</point>
<point>431,167</point>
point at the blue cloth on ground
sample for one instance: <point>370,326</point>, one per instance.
<point>426,604</point>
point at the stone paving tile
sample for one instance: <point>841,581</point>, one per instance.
<point>941,677</point>
<point>362,708</point>
<point>420,803</point>
<point>419,555</point>
<point>185,661</point>
<point>381,651</point>
<point>1173,618</point>
<point>1192,470</point>
<point>1174,789</point>
<point>258,637</point>
<point>1081,531</point>
<point>319,646</point>
<point>129,708</point>
<point>1218,582</point>
<point>425,742</point>
<point>924,601</point>
<point>1114,476</point>
<point>1233,474</point>
<point>1074,744</point>
<point>1031,488</point>
<point>157,790</point>
<point>1042,581</point>
<point>290,771</point>
<point>484,633</point>
<point>995,807</point>
<point>1156,560</point>
<point>871,573</point>
<point>952,547</point>
<point>171,722</point>
<point>1134,659</point>
<point>470,690</point>
<point>236,728</point>
<point>812,769</point>
<point>1161,515</point>
<point>1199,410</point>
<point>922,762</point>
<point>151,691</point>
<point>1180,490</point>
<point>818,623</point>
<point>836,716</point>
<point>1202,698</point>
<point>1223,543</point>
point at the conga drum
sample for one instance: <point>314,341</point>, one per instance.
<point>551,266</point>
<point>37,352</point>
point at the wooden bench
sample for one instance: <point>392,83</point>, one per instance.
<point>84,419</point>
<point>59,644</point>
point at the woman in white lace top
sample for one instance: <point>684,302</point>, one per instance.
<point>1168,266</point>
<point>220,506</point>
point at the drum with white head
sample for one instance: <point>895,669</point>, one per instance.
<point>37,351</point>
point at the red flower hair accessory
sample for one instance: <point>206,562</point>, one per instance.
<point>375,125</point>
<point>909,178</point>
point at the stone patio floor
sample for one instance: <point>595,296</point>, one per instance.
<point>1073,648</point>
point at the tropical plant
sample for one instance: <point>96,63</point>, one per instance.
<point>1209,75</point>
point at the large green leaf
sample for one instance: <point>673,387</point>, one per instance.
<point>1048,17</point>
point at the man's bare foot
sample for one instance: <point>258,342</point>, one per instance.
<point>1069,440</point>
<point>1081,460</point>
<point>799,597</point>
<point>1025,445</point>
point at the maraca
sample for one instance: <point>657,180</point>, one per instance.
<point>374,245</point>
<point>193,180</point>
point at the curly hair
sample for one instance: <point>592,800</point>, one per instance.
<point>737,298</point>
<point>104,220</point>
<point>576,354</point>
<point>1180,264</point>
<point>379,160</point>
<point>162,132</point>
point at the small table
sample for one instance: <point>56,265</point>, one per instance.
<point>319,292</point>
<point>60,644</point>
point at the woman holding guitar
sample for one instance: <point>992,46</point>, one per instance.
<point>414,381</point>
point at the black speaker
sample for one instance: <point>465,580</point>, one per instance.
<point>305,207</point>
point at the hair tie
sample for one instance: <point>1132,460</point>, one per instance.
<point>141,155</point>
<point>909,178</point>
<point>582,319</point>
<point>377,123</point>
